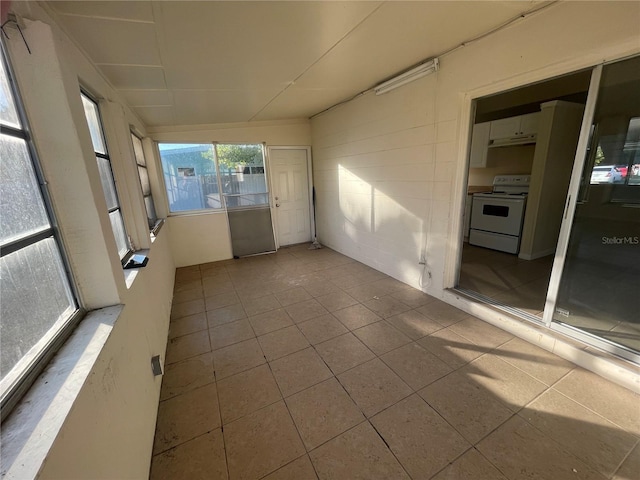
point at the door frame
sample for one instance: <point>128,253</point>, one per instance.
<point>312,221</point>
<point>453,258</point>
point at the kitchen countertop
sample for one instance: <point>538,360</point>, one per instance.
<point>471,189</point>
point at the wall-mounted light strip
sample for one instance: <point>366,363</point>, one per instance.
<point>407,77</point>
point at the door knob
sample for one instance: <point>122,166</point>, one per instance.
<point>277,204</point>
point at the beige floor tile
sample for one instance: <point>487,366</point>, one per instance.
<point>270,321</point>
<point>336,301</point>
<point>443,313</point>
<point>414,324</point>
<point>630,467</point>
<point>188,295</point>
<point>227,314</point>
<point>198,459</point>
<point>451,348</point>
<point>366,292</point>
<point>590,437</point>
<point>613,402</point>
<point>522,452</point>
<point>321,329</point>
<point>261,442</point>
<point>323,412</point>
<point>412,297</point>
<point>470,466</point>
<point>356,316</point>
<point>237,358</point>
<point>306,310</point>
<point>320,287</point>
<point>295,295</point>
<point>481,333</point>
<point>347,281</point>
<point>187,375</point>
<point>230,333</point>
<point>386,306</point>
<point>214,286</point>
<point>511,386</point>
<point>183,309</point>
<point>221,300</point>
<point>246,392</point>
<point>344,352</point>
<point>174,427</point>
<point>186,285</point>
<point>256,306</point>
<point>185,274</point>
<point>467,406</point>
<point>282,342</point>
<point>186,325</point>
<point>187,346</point>
<point>540,364</point>
<point>374,386</point>
<point>358,454</point>
<point>299,370</point>
<point>300,469</point>
<point>415,365</point>
<point>419,438</point>
<point>381,337</point>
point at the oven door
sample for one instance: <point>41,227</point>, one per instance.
<point>498,215</point>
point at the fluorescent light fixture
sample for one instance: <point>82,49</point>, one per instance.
<point>407,77</point>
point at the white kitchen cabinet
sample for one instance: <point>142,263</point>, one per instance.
<point>479,145</point>
<point>514,126</point>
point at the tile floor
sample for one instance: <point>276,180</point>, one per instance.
<point>506,278</point>
<point>306,364</point>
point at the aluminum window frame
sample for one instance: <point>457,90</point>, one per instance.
<point>38,361</point>
<point>152,222</point>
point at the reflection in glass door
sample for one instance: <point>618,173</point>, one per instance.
<point>597,290</point>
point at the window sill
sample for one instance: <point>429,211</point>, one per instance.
<point>31,429</point>
<point>130,274</point>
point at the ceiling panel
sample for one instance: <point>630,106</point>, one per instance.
<point>115,41</point>
<point>156,116</point>
<point>297,102</point>
<point>138,98</point>
<point>401,34</point>
<point>131,10</point>
<point>202,62</point>
<point>128,77</point>
<point>250,44</point>
<point>219,106</point>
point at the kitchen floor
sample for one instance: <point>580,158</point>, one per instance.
<point>305,364</point>
<point>505,277</point>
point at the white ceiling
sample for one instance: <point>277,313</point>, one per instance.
<point>204,62</point>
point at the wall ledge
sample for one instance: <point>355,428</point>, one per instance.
<point>32,428</point>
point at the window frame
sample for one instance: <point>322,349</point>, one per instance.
<point>152,224</point>
<point>23,380</point>
<point>130,251</point>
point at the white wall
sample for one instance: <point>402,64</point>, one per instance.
<point>390,170</point>
<point>109,430</point>
<point>202,238</point>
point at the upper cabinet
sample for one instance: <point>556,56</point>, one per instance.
<point>520,126</point>
<point>479,145</point>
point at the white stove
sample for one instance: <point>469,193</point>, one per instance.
<point>497,216</point>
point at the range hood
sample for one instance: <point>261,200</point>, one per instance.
<point>512,141</point>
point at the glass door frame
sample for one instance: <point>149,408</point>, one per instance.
<point>571,202</point>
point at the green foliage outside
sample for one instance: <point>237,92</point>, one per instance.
<point>232,156</point>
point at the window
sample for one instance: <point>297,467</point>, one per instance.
<point>37,303</point>
<point>244,183</point>
<point>106,175</point>
<point>190,176</point>
<point>195,174</point>
<point>143,175</point>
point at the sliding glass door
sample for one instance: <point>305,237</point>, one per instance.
<point>595,283</point>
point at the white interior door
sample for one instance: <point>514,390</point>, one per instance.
<point>291,201</point>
